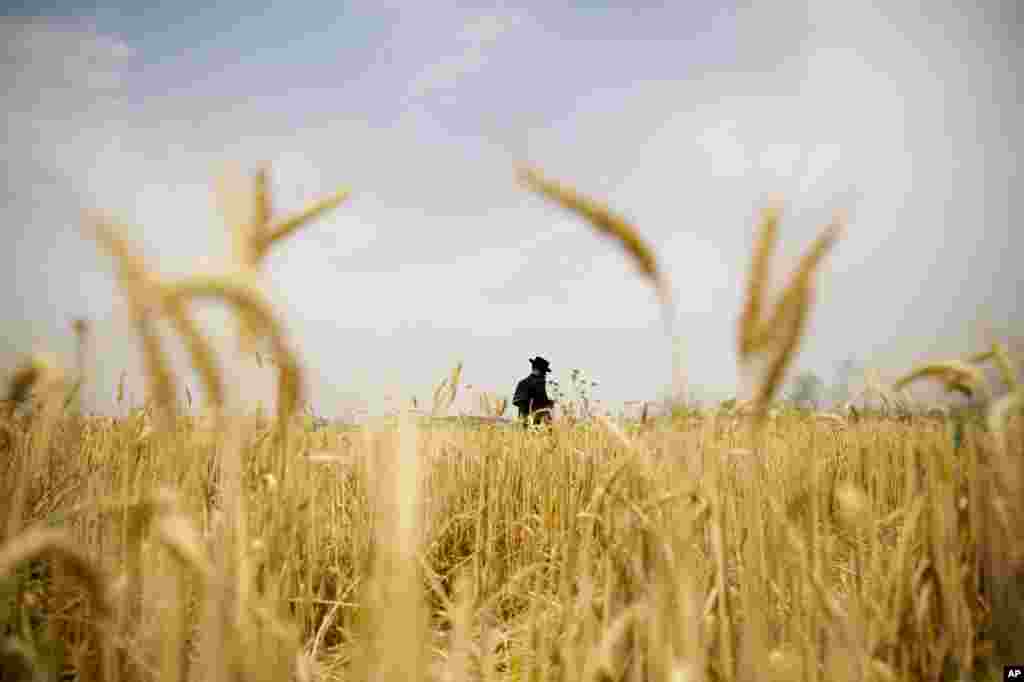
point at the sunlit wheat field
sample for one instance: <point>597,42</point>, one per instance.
<point>748,540</point>
<point>274,271</point>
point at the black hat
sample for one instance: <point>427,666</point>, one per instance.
<point>541,364</point>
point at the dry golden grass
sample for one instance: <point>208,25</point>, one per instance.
<point>143,292</point>
<point>605,222</point>
<point>1001,358</point>
<point>249,217</point>
<point>38,373</point>
<point>602,522</point>
<point>955,375</point>
<point>690,548</point>
<point>779,335</point>
<point>446,392</point>
<point>628,237</point>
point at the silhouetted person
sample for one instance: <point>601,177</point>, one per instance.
<point>531,394</point>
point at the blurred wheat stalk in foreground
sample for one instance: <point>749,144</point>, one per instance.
<point>629,239</point>
<point>248,216</point>
<point>779,334</point>
<point>150,297</point>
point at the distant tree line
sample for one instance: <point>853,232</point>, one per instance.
<point>808,390</point>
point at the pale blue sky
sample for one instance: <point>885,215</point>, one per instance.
<point>685,116</point>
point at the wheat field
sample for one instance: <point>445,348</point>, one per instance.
<point>750,541</point>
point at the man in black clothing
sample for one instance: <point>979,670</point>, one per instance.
<point>531,393</point>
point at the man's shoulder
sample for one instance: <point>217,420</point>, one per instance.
<point>530,383</point>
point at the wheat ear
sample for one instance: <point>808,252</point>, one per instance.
<point>999,413</point>
<point>141,292</point>
<point>250,221</point>
<point>204,361</point>
<point>781,333</point>
<point>764,245</point>
<point>605,222</point>
<point>34,544</point>
<point>955,375</point>
<point>248,302</point>
<point>1001,359</point>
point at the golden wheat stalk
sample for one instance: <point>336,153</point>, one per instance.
<point>204,361</point>
<point>157,369</point>
<point>802,276</point>
<point>605,222</point>
<point>179,536</point>
<point>854,507</point>
<point>492,406</point>
<point>263,205</point>
<point>35,371</point>
<point>999,413</point>
<point>35,544</point>
<point>616,432</point>
<point>1006,366</point>
<point>460,615</point>
<point>240,294</point>
<point>439,394</point>
<point>80,327</point>
<point>235,209</point>
<point>395,614</point>
<point>612,653</point>
<point>764,244</point>
<point>453,385</point>
<point>790,329</point>
<point>831,418</point>
<point>980,358</point>
<point>130,267</point>
<point>955,376</point>
<point>252,229</point>
<point>725,626</point>
<point>874,386</point>
<point>41,378</point>
<point>782,331</point>
<point>998,356</point>
<point>142,295</point>
<point>284,228</point>
<point>159,514</point>
<point>446,392</point>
